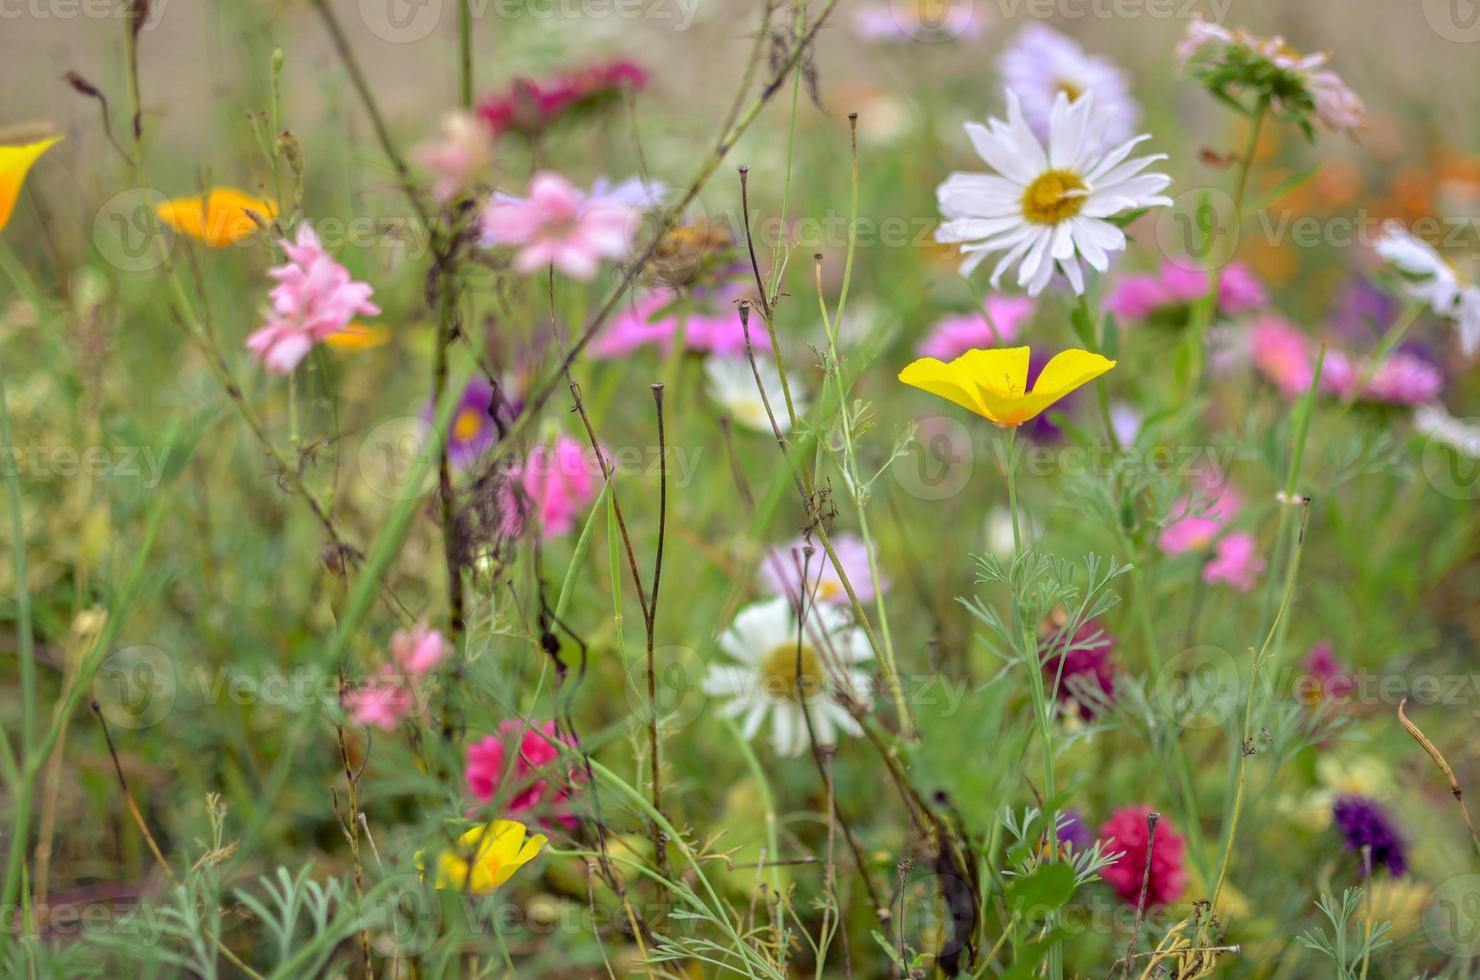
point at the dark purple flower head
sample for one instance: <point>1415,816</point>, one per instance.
<point>1362,823</point>
<point>1086,655</point>
<point>1074,833</point>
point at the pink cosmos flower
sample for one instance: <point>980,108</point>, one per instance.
<point>1196,524</point>
<point>1236,562</point>
<point>1126,831</point>
<point>383,702</point>
<point>488,766</point>
<point>1137,297</point>
<point>1283,355</point>
<point>458,157</point>
<point>958,333</point>
<point>419,650</point>
<point>559,224</point>
<point>556,484</point>
<point>314,298</point>
<point>710,324</point>
<point>781,571</point>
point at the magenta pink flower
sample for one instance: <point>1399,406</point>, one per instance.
<point>1137,297</point>
<point>1236,562</point>
<point>561,225</point>
<point>383,701</point>
<point>711,324</point>
<point>556,484</point>
<point>1126,831</point>
<point>531,105</point>
<point>1326,678</point>
<point>1404,379</point>
<point>488,766</point>
<point>314,298</point>
<point>954,335</point>
<point>419,650</point>
<point>781,571</point>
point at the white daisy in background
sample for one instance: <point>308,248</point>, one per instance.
<point>764,638</point>
<point>732,385</point>
<point>1460,435</point>
<point>1040,63</point>
<point>1047,208</point>
<point>1429,279</point>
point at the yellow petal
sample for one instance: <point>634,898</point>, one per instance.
<point>15,163</point>
<point>359,336</point>
<point>940,378</point>
<point>221,219</point>
<point>1000,370</point>
<point>1068,370</point>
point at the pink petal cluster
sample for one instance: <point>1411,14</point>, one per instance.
<point>531,105</point>
<point>1286,357</point>
<point>555,485</point>
<point>1235,563</point>
<point>561,225</point>
<point>1137,297</point>
<point>954,335</point>
<point>1126,831</point>
<point>458,157</point>
<point>781,571</point>
<point>488,766</point>
<point>390,696</point>
<point>314,298</point>
<point>710,326</point>
<point>420,650</point>
<point>1195,524</point>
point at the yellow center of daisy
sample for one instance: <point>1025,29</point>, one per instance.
<point>1070,89</point>
<point>1053,197</point>
<point>779,672</point>
<point>468,424</point>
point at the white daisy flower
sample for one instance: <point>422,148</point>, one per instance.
<point>1435,422</point>
<point>1429,279</point>
<point>766,641</point>
<point>1047,208</point>
<point>1040,63</point>
<point>732,385</point>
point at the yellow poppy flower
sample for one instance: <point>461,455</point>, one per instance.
<point>220,220</point>
<point>15,163</point>
<point>359,336</point>
<point>492,851</point>
<point>993,383</point>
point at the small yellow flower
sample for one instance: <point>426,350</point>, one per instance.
<point>994,383</point>
<point>359,336</point>
<point>493,851</point>
<point>15,163</point>
<point>220,220</point>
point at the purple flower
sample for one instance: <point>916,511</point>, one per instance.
<point>481,417</point>
<point>1073,832</point>
<point>1362,823</point>
<point>781,571</point>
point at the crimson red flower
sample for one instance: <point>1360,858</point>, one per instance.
<point>1126,831</point>
<point>531,104</point>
